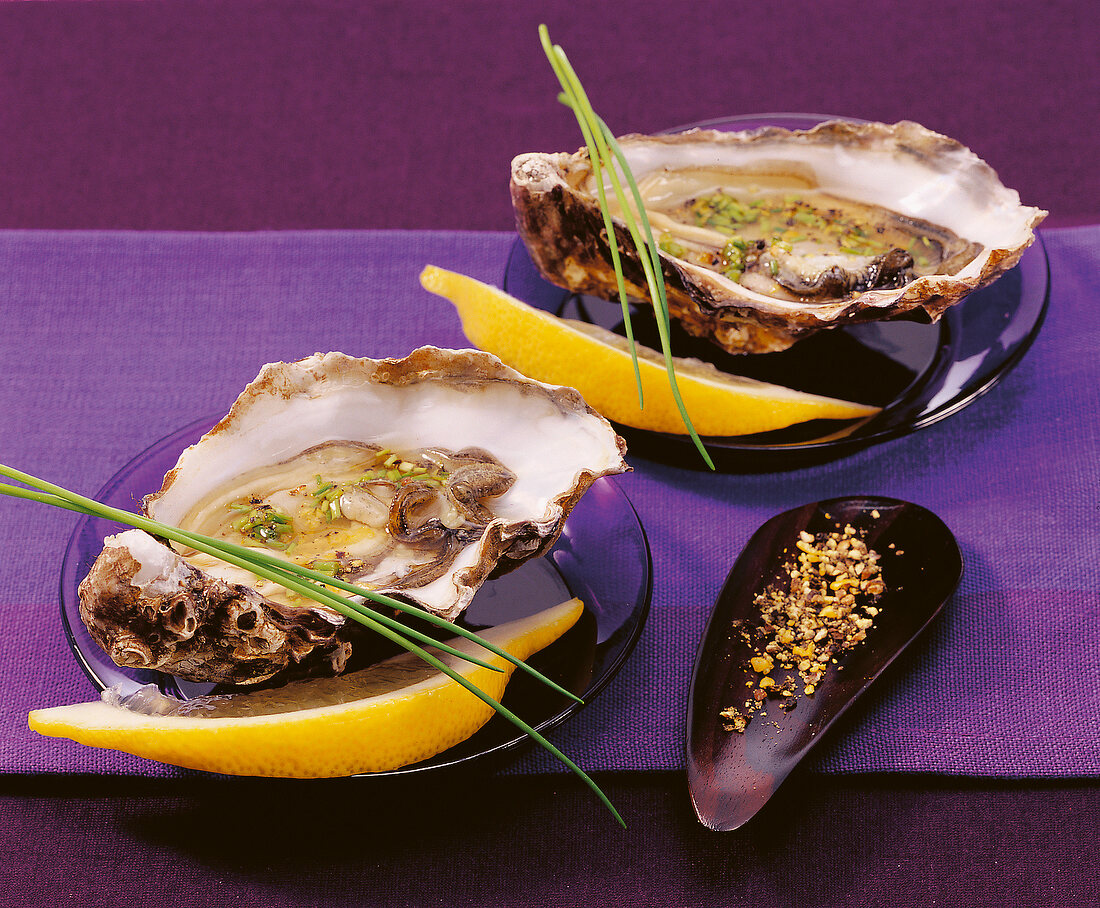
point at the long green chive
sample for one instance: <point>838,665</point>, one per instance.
<point>581,109</point>
<point>361,613</point>
<point>311,584</point>
<point>605,154</point>
<point>60,497</point>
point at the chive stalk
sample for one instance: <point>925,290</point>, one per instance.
<point>374,620</point>
<point>575,99</point>
<point>311,584</point>
<point>605,153</point>
<point>72,501</point>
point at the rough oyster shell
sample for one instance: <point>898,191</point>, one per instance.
<point>149,608</point>
<point>903,168</point>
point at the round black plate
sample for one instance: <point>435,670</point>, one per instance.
<point>602,557</point>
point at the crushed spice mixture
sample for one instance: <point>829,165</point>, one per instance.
<point>824,608</point>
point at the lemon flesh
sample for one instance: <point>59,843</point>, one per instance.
<point>392,714</point>
<point>598,364</point>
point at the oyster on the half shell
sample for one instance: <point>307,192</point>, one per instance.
<point>770,235</point>
<point>417,477</point>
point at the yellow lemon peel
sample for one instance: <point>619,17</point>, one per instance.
<point>414,713</point>
<point>597,363</point>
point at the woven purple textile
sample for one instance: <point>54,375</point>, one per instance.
<point>113,340</point>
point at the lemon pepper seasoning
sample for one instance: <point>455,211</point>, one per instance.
<point>825,607</point>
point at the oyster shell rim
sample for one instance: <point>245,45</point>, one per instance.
<point>117,595</point>
<point>505,542</point>
<point>736,318</point>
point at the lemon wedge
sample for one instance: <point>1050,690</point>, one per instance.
<point>597,363</point>
<point>389,715</point>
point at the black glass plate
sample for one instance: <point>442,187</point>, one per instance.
<point>916,372</point>
<point>602,557</point>
<point>732,775</point>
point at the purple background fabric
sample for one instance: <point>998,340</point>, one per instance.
<point>117,339</point>
<point>277,114</point>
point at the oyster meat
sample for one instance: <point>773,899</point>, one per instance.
<point>417,477</point>
<point>770,235</point>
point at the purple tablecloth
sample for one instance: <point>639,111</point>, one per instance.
<point>113,340</point>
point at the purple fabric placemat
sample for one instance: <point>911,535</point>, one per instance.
<point>113,340</point>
